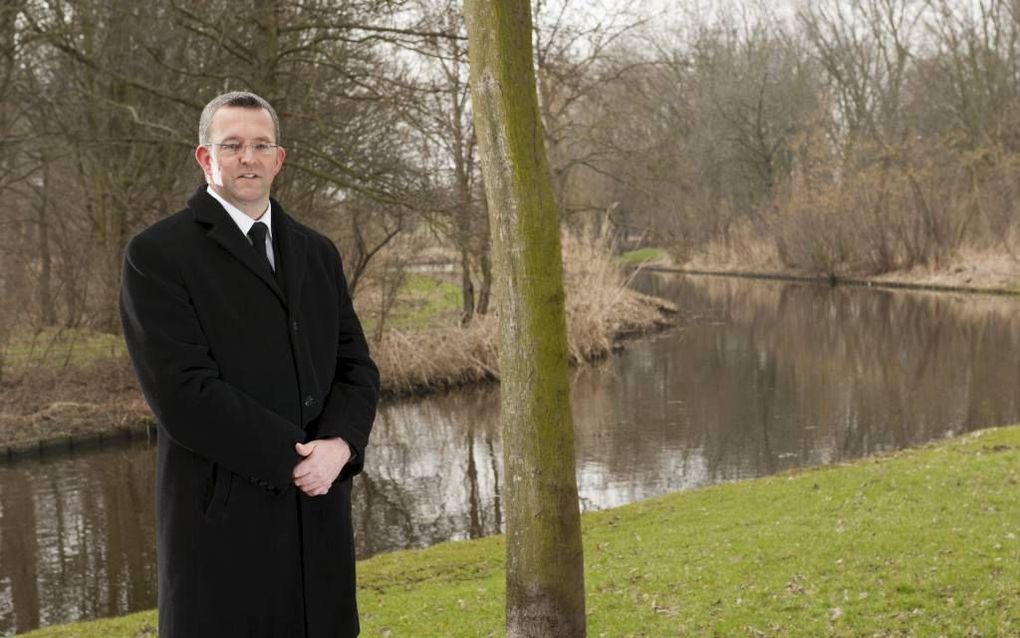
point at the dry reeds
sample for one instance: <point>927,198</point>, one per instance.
<point>600,309</point>
<point>413,361</point>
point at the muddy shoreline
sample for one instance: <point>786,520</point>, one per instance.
<point>889,282</point>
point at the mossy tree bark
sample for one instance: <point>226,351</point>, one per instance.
<point>544,569</point>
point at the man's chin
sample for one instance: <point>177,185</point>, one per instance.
<point>250,195</point>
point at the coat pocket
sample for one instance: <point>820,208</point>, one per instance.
<point>217,492</point>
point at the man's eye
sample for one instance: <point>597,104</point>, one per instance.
<point>231,148</point>
<point>263,148</point>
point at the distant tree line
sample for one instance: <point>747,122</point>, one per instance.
<point>853,136</point>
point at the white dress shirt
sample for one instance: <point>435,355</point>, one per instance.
<point>244,222</point>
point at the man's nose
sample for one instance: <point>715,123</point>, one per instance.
<point>247,153</point>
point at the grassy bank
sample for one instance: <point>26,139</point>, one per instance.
<point>917,543</point>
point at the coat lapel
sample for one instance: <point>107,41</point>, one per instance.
<point>292,252</point>
<point>225,232</point>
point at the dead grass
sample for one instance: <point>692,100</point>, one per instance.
<point>744,249</point>
<point>977,268</point>
<point>436,358</point>
<point>45,403</point>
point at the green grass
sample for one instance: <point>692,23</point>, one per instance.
<point>59,347</point>
<point>139,625</point>
<point>421,302</point>
<point>640,255</point>
<point>918,543</point>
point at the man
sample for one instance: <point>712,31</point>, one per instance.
<point>242,333</point>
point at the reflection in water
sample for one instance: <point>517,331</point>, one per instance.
<point>79,533</point>
<point>432,473</point>
<point>762,376</point>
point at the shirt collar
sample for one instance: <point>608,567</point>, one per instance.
<point>243,221</point>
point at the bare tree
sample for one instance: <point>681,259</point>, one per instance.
<point>129,97</point>
<point>441,115</point>
<point>865,47</point>
<point>971,80</point>
<point>576,62</point>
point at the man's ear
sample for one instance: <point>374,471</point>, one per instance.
<point>204,159</point>
<point>280,154</point>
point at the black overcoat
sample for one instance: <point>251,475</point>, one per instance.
<point>237,368</point>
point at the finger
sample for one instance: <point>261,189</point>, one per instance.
<point>302,449</point>
<point>314,476</point>
<point>303,468</point>
<point>315,490</point>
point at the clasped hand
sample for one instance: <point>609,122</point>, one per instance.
<point>322,462</point>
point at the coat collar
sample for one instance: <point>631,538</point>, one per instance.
<point>291,239</point>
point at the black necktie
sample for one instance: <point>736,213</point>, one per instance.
<point>257,235</point>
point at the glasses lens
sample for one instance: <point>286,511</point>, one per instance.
<point>233,148</point>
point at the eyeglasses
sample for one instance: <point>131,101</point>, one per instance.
<point>235,148</point>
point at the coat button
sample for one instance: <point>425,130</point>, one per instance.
<point>294,326</point>
<point>309,400</point>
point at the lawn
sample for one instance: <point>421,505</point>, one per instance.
<point>640,256</point>
<point>916,543</point>
<point>424,300</point>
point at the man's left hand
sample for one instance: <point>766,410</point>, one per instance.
<point>322,462</point>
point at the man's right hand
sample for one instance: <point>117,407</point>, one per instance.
<point>323,460</point>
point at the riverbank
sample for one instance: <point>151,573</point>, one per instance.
<point>970,270</point>
<point>50,408</point>
<point>914,543</point>
<point>934,284</point>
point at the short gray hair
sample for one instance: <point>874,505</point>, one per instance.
<point>242,99</point>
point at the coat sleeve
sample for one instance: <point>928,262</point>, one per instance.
<point>349,409</point>
<point>181,380</point>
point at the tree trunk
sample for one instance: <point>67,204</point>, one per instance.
<point>483,296</point>
<point>544,567</point>
<point>109,242</point>
<point>467,287</point>
<point>47,311</point>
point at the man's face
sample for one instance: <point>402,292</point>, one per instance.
<point>242,178</point>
